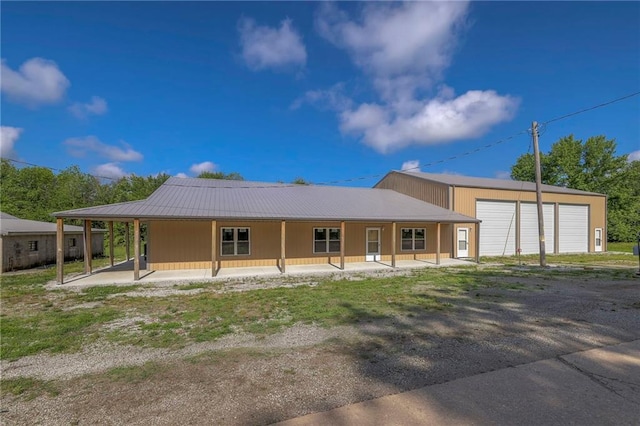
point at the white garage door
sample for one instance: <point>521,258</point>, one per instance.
<point>573,229</point>
<point>529,227</point>
<point>498,227</point>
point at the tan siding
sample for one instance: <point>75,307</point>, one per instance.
<point>431,192</point>
<point>465,203</point>
<point>187,244</point>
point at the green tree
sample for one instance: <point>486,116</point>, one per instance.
<point>220,175</point>
<point>300,181</point>
<point>27,193</point>
<point>591,166</point>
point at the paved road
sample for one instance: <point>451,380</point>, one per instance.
<point>594,387</point>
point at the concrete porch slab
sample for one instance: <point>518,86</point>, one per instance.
<point>122,273</point>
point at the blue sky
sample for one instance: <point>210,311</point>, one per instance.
<point>323,91</point>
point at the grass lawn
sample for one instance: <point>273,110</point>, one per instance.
<point>34,320</point>
<point>622,247</point>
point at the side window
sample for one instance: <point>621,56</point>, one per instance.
<point>326,240</point>
<point>235,242</point>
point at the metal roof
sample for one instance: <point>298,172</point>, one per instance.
<point>183,198</point>
<point>476,182</point>
<point>11,225</point>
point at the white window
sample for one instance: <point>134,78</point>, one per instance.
<point>33,245</point>
<point>326,240</point>
<point>72,242</point>
<point>235,242</point>
<point>413,239</point>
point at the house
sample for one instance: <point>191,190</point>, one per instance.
<point>28,243</point>
<point>213,224</point>
<point>574,221</point>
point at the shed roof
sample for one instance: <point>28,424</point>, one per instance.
<point>477,182</point>
<point>11,225</point>
<point>184,198</point>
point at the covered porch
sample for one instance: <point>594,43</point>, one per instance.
<point>136,269</point>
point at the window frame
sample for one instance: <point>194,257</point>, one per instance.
<point>33,246</point>
<point>73,243</point>
<point>327,241</point>
<point>413,239</point>
<point>235,240</point>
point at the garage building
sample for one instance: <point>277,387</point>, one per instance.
<point>574,221</point>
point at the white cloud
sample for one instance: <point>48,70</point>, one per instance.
<point>97,106</point>
<point>634,156</point>
<point>182,175</point>
<point>8,137</point>
<point>405,48</point>
<point>411,166</point>
<point>502,174</point>
<point>436,121</point>
<point>264,47</point>
<point>206,166</point>
<point>109,170</point>
<point>37,82</point>
<point>80,147</point>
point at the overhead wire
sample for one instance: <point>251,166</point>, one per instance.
<point>379,175</point>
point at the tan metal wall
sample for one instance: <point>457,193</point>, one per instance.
<point>431,192</point>
<point>463,200</point>
<point>187,244</point>
<point>16,254</point>
<point>465,203</point>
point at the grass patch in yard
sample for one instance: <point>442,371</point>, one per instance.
<point>96,293</point>
<point>52,331</point>
<point>622,247</point>
<point>28,388</point>
<point>193,286</point>
<point>133,374</point>
<point>582,259</point>
<point>209,316</point>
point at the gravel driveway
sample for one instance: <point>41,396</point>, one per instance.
<point>242,379</point>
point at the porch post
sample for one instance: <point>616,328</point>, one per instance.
<point>438,243</point>
<point>393,245</point>
<point>126,240</point>
<point>87,247</point>
<point>59,250</point>
<point>342,243</point>
<point>478,242</point>
<point>136,249</point>
<point>111,243</point>
<point>214,244</point>
<point>283,231</point>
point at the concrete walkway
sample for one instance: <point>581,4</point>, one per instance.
<point>122,273</point>
<point>594,387</point>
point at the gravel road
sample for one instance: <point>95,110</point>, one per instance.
<point>242,379</point>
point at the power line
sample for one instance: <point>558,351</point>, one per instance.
<point>562,117</point>
<point>379,175</point>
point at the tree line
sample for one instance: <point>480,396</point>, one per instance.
<point>35,192</point>
<point>593,166</point>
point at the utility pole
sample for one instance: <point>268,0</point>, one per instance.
<point>536,153</point>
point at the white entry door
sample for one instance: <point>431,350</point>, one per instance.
<point>373,245</point>
<point>463,242</point>
<point>598,239</point>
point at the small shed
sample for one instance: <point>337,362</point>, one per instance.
<point>29,243</point>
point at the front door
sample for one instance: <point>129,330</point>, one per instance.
<point>373,244</point>
<point>463,242</point>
